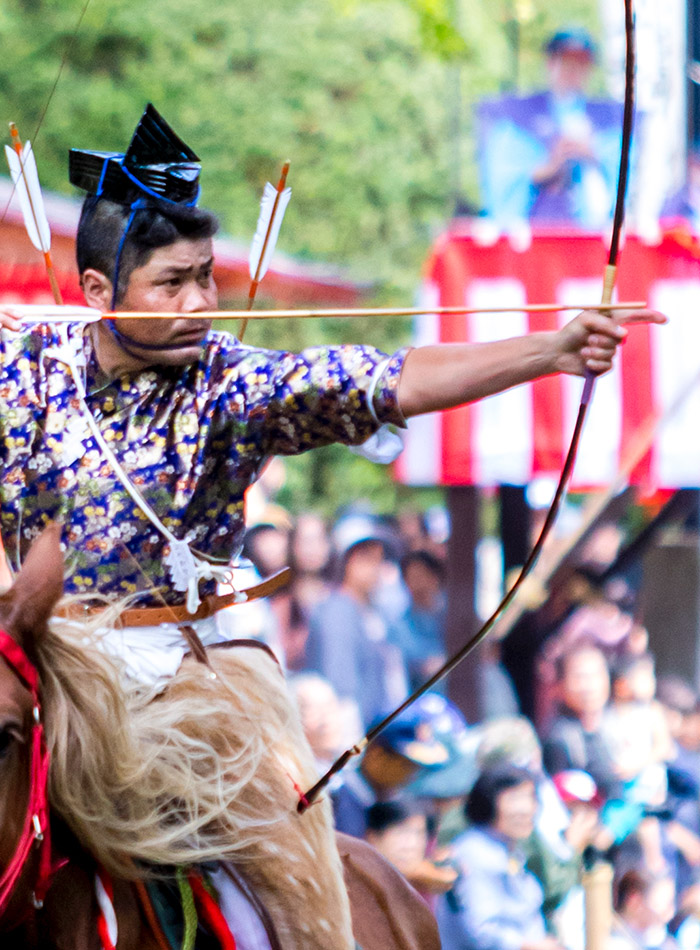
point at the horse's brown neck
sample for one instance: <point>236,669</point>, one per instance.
<point>68,920</point>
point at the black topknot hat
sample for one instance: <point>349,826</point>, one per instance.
<point>157,163</point>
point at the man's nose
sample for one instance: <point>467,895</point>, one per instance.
<point>198,298</point>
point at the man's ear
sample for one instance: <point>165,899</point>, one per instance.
<point>97,289</point>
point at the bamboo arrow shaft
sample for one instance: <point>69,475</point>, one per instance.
<point>369,312</point>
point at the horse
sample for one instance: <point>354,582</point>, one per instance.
<point>68,884</point>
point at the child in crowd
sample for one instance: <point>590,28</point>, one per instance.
<point>645,905</point>
<point>637,733</point>
<point>681,707</point>
<point>564,898</point>
<point>400,831</point>
<point>634,702</point>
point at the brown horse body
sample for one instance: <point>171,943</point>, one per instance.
<point>69,917</point>
<point>386,914</point>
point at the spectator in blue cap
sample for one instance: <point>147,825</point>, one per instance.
<point>396,756</point>
<point>552,157</point>
<point>573,40</point>
<point>446,788</point>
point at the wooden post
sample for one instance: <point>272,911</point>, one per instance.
<point>520,645</point>
<point>597,887</point>
<point>462,621</point>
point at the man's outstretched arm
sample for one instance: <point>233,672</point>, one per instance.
<point>448,375</point>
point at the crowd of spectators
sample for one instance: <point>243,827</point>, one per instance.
<point>493,822</point>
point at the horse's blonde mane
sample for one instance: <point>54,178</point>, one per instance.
<point>139,780</point>
<point>205,772</point>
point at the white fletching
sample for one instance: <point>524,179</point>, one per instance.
<point>267,205</point>
<point>31,314</point>
<point>26,181</point>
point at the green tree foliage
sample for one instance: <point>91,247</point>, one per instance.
<point>355,92</point>
<point>361,95</point>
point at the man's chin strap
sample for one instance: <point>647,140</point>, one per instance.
<point>132,346</point>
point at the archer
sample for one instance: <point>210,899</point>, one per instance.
<point>142,437</point>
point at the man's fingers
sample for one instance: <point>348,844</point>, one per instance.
<point>639,316</point>
<point>9,321</point>
<point>597,325</point>
<point>600,353</point>
<point>598,366</point>
<point>600,322</point>
<point>597,341</point>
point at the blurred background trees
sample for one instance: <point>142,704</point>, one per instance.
<point>358,94</point>
<point>371,100</point>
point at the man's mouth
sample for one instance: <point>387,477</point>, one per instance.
<point>192,335</point>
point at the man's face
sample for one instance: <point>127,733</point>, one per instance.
<point>403,844</point>
<point>321,718</point>
<point>660,903</point>
<point>177,278</point>
<point>363,566</point>
<point>515,811</point>
<point>311,545</point>
<point>569,71</point>
<point>585,687</point>
<point>423,584</point>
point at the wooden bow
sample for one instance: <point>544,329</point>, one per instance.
<point>608,286</point>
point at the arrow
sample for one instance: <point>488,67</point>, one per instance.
<point>272,208</point>
<point>369,312</point>
<point>25,178</point>
<point>42,313</point>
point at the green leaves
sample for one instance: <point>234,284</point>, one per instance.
<point>369,99</point>
<point>359,94</point>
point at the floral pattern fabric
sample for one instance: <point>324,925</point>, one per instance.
<point>191,439</point>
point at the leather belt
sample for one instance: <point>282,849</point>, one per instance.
<point>178,613</point>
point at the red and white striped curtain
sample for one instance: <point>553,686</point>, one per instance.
<point>521,434</point>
